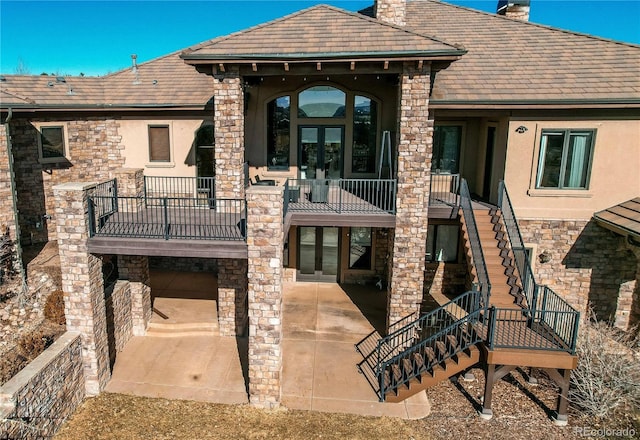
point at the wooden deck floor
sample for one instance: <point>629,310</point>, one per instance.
<point>196,223</point>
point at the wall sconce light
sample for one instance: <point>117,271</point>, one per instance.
<point>544,257</point>
<point>521,129</point>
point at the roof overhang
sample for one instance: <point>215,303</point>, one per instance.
<point>622,219</point>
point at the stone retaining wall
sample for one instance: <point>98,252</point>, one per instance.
<point>38,400</point>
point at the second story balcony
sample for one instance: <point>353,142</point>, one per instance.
<point>340,202</point>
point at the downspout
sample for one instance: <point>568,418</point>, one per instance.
<point>14,200</point>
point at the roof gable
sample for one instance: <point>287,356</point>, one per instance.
<point>320,32</point>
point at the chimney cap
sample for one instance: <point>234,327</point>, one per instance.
<point>502,4</point>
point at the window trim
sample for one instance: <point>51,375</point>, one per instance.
<point>65,139</point>
<point>566,132</point>
<point>160,163</point>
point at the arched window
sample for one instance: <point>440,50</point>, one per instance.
<point>321,102</point>
<point>278,133</point>
<point>365,128</point>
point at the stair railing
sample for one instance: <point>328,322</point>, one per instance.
<point>474,242</point>
<point>455,318</point>
<point>551,316</point>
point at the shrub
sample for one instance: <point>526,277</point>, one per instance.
<point>54,308</point>
<point>32,344</point>
<point>608,373</point>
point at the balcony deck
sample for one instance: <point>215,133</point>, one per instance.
<point>181,227</point>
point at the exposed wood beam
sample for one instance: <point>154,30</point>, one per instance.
<point>254,67</point>
<point>286,67</point>
<point>318,66</point>
<point>353,65</point>
<point>386,65</point>
<point>221,67</point>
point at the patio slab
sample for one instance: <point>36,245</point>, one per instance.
<point>321,324</point>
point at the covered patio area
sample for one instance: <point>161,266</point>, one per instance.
<point>321,323</point>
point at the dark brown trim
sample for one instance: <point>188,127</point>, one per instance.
<point>168,248</point>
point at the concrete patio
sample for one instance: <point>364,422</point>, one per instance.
<point>187,359</point>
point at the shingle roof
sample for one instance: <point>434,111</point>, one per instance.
<point>510,60</point>
<point>623,219</point>
<point>163,82</point>
<point>320,31</point>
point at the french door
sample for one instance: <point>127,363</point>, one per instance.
<point>318,250</point>
<point>321,151</point>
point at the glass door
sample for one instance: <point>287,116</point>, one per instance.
<point>321,151</point>
<point>318,253</point>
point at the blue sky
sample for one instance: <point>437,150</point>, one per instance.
<point>97,37</point>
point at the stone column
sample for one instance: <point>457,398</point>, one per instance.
<point>628,307</point>
<point>8,204</point>
<point>414,165</point>
<point>82,284</point>
<point>130,183</point>
<point>135,268</point>
<point>229,135</point>
<point>265,240</point>
<point>232,297</point>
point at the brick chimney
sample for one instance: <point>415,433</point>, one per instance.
<point>518,9</point>
<point>390,11</point>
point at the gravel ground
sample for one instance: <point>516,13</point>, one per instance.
<point>520,412</point>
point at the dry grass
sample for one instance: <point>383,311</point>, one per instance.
<point>520,412</point>
<point>115,416</point>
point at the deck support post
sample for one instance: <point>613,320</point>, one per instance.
<point>562,378</point>
<point>493,374</point>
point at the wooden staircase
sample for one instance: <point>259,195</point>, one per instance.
<point>501,271</point>
<point>423,378</point>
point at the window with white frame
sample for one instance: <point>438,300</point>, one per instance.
<point>52,143</point>
<point>159,143</point>
<point>565,159</point>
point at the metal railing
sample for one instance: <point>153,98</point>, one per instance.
<point>444,189</point>
<point>169,218</point>
<point>543,329</point>
<point>106,199</point>
<point>179,187</point>
<point>356,196</point>
<point>428,341</point>
<point>477,255</point>
<point>545,308</point>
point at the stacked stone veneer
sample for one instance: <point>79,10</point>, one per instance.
<point>8,222</point>
<point>448,279</point>
<point>414,164</point>
<point>119,322</point>
<point>135,269</point>
<point>391,11</point>
<point>232,297</point>
<point>588,265</point>
<point>38,400</point>
<point>82,283</point>
<point>229,135</point>
<point>94,151</point>
<point>265,235</point>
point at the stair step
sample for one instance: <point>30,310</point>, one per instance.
<point>437,374</point>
